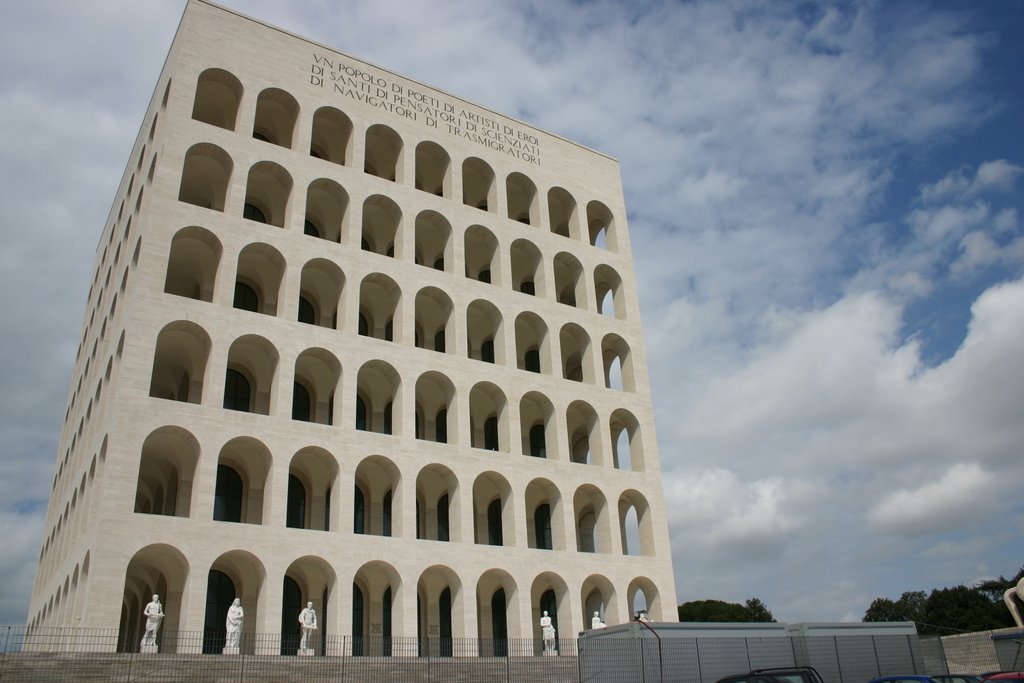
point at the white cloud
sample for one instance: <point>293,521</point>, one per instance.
<point>997,176</point>
<point>757,149</point>
<point>955,501</point>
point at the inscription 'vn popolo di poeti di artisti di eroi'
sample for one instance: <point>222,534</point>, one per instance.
<point>374,90</point>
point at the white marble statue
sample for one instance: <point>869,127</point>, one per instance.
<point>596,621</point>
<point>307,620</point>
<point>1012,606</point>
<point>233,625</point>
<point>547,632</point>
<point>154,614</point>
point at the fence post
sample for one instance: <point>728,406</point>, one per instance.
<point>3,655</point>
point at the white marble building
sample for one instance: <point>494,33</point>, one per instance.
<point>355,341</point>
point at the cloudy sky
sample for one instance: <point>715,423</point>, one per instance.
<point>825,210</point>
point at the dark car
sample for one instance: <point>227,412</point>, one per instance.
<point>1006,677</point>
<point>798,674</point>
<point>956,678</point>
<point>908,678</point>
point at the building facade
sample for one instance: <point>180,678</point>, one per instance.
<point>353,341</point>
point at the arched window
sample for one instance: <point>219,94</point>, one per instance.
<point>218,94</point>
<point>494,530</point>
<point>542,526</point>
<point>442,518</point>
<point>537,449</point>
<point>491,434</point>
<point>246,298</point>
<point>357,620</point>
<point>237,394</point>
<point>220,593</point>
<point>307,314</point>
<point>296,517</point>
<point>499,623</point>
<point>227,498</point>
<point>359,513</point>
<point>300,403</point>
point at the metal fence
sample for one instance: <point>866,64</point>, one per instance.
<point>80,654</point>
<point>61,654</point>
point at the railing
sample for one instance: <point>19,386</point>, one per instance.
<point>58,654</point>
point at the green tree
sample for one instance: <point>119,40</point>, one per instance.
<point>720,611</point>
<point>910,607</point>
<point>963,609</point>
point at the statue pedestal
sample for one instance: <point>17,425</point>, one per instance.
<point>306,652</point>
<point>148,649</point>
<point>229,651</point>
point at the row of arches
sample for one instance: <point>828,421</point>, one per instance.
<point>371,605</point>
<point>384,230</point>
<point>67,601</point>
<point>430,409</point>
<point>220,97</point>
<point>379,308</point>
<point>378,498</point>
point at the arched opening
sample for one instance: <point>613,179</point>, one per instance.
<point>485,337</point>
<point>205,176</point>
<point>218,94</point>
<point>439,603</point>
<point>381,230</point>
<point>550,594</point>
<point>156,569</point>
<point>562,213</point>
<point>601,226</point>
<point>383,153</point>
<point>437,504</point>
<point>276,114</point>
<point>242,469</point>
<point>320,293</point>
<point>478,189</point>
<point>577,363</point>
<point>521,195</point>
<point>635,526</point>
<point>433,169</point>
<point>527,268</point>
<point>537,426</point>
<point>378,389</point>
<point>627,443</point>
<point>376,606</point>
<point>235,574</point>
<point>379,307</point>
<point>497,609</point>
<point>583,429</point>
<point>326,210</point>
<point>316,471</point>
<point>593,527</point>
<point>433,241</point>
<point>493,515</point>
<point>433,310</point>
<point>378,481</point>
<point>532,350</point>
<point>249,380</point>
<point>544,529</point>
<point>480,254</point>
<point>618,364</point>
<point>179,362</point>
<point>435,394</point>
<point>331,135</point>
<point>309,579</point>
<point>643,595</point>
<point>166,471</point>
<point>258,279</point>
<point>568,279</point>
<point>317,375</point>
<point>597,595</point>
<point>267,194</point>
<point>488,417</point>
<point>608,288</point>
<point>192,264</point>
